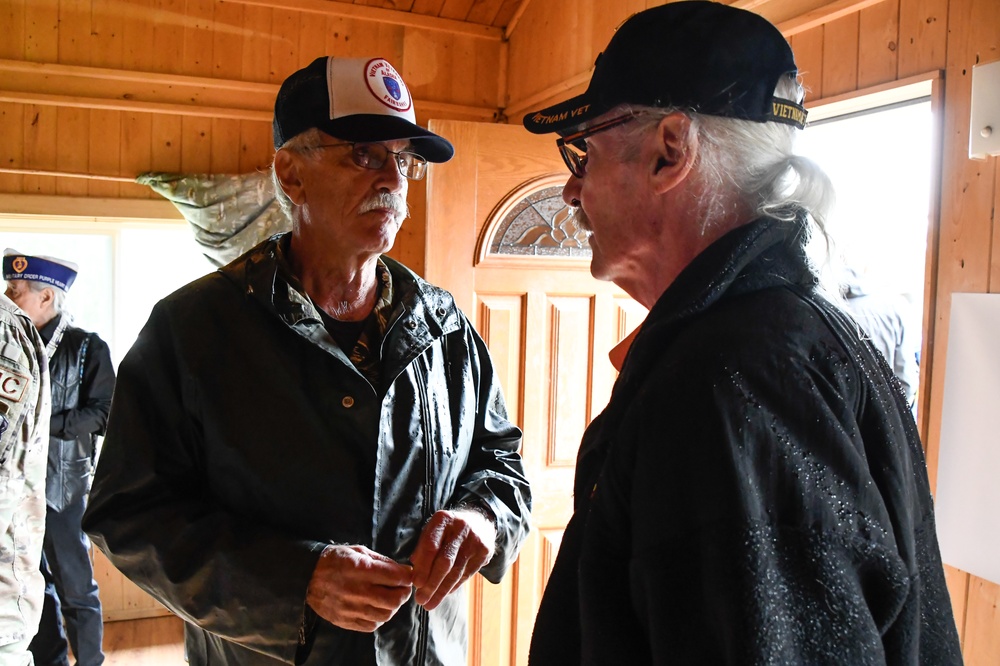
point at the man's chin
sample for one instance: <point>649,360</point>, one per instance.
<point>598,270</point>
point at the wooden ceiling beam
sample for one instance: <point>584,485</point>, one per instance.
<point>817,17</point>
<point>794,16</point>
<point>518,13</point>
<point>52,84</point>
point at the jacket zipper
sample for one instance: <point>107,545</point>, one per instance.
<point>422,618</point>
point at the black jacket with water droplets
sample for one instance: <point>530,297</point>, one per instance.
<point>754,493</point>
<point>242,441</point>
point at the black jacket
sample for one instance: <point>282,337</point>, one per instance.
<point>83,381</point>
<point>242,441</point>
<point>755,491</point>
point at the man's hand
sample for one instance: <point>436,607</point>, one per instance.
<point>453,546</point>
<point>358,589</point>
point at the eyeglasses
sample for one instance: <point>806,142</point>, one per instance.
<point>573,147</point>
<point>374,156</point>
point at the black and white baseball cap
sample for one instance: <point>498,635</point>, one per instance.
<point>354,99</point>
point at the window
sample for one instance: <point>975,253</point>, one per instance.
<point>880,164</point>
<point>125,268</point>
<point>878,150</point>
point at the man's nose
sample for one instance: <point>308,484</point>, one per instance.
<point>391,178</point>
<point>571,192</point>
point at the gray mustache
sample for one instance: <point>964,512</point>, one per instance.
<point>386,200</point>
<point>581,219</point>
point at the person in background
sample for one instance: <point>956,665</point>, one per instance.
<point>82,382</point>
<point>24,440</point>
<point>309,450</point>
<point>755,491</point>
<point>883,318</point>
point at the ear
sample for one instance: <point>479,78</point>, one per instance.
<point>47,299</point>
<point>286,168</point>
<point>675,151</point>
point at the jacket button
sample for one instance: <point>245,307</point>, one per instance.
<point>441,312</point>
<point>347,402</point>
<point>411,323</point>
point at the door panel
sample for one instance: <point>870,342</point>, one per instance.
<point>549,326</point>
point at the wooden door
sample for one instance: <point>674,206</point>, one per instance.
<point>549,326</point>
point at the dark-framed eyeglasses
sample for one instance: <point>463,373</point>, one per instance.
<point>374,156</point>
<point>573,147</point>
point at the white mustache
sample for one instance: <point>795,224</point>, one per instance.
<point>386,200</point>
<point>581,220</point>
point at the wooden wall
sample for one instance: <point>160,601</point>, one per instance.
<point>847,48</point>
<point>114,88</point>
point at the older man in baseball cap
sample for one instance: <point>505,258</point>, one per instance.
<point>309,451</point>
<point>755,491</point>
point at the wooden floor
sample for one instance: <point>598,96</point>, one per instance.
<point>155,641</point>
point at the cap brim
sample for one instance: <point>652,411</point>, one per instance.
<point>565,115</point>
<point>371,127</point>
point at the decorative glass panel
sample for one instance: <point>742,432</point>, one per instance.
<point>540,224</point>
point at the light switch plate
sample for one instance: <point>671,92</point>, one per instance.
<point>984,129</point>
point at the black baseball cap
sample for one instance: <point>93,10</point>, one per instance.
<point>703,56</point>
<point>354,99</point>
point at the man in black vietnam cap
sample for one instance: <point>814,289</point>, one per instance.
<point>309,452</point>
<point>755,491</point>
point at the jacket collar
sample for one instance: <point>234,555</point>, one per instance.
<point>761,254</point>
<point>764,253</point>
<point>52,333</point>
<point>263,274</point>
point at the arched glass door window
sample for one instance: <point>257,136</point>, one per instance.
<point>535,221</point>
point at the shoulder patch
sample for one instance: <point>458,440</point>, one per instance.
<point>12,385</point>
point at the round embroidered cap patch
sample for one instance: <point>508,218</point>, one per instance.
<point>386,85</point>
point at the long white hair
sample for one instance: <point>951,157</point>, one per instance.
<point>751,166</point>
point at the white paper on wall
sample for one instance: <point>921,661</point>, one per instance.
<point>967,501</point>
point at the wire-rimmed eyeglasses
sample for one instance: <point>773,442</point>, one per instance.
<point>374,156</point>
<point>573,147</point>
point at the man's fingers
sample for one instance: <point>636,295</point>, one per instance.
<point>386,571</point>
<point>360,616</point>
<point>427,547</point>
<point>453,546</point>
<point>358,589</point>
<point>459,572</point>
<point>448,556</point>
<point>377,605</point>
<point>447,538</point>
